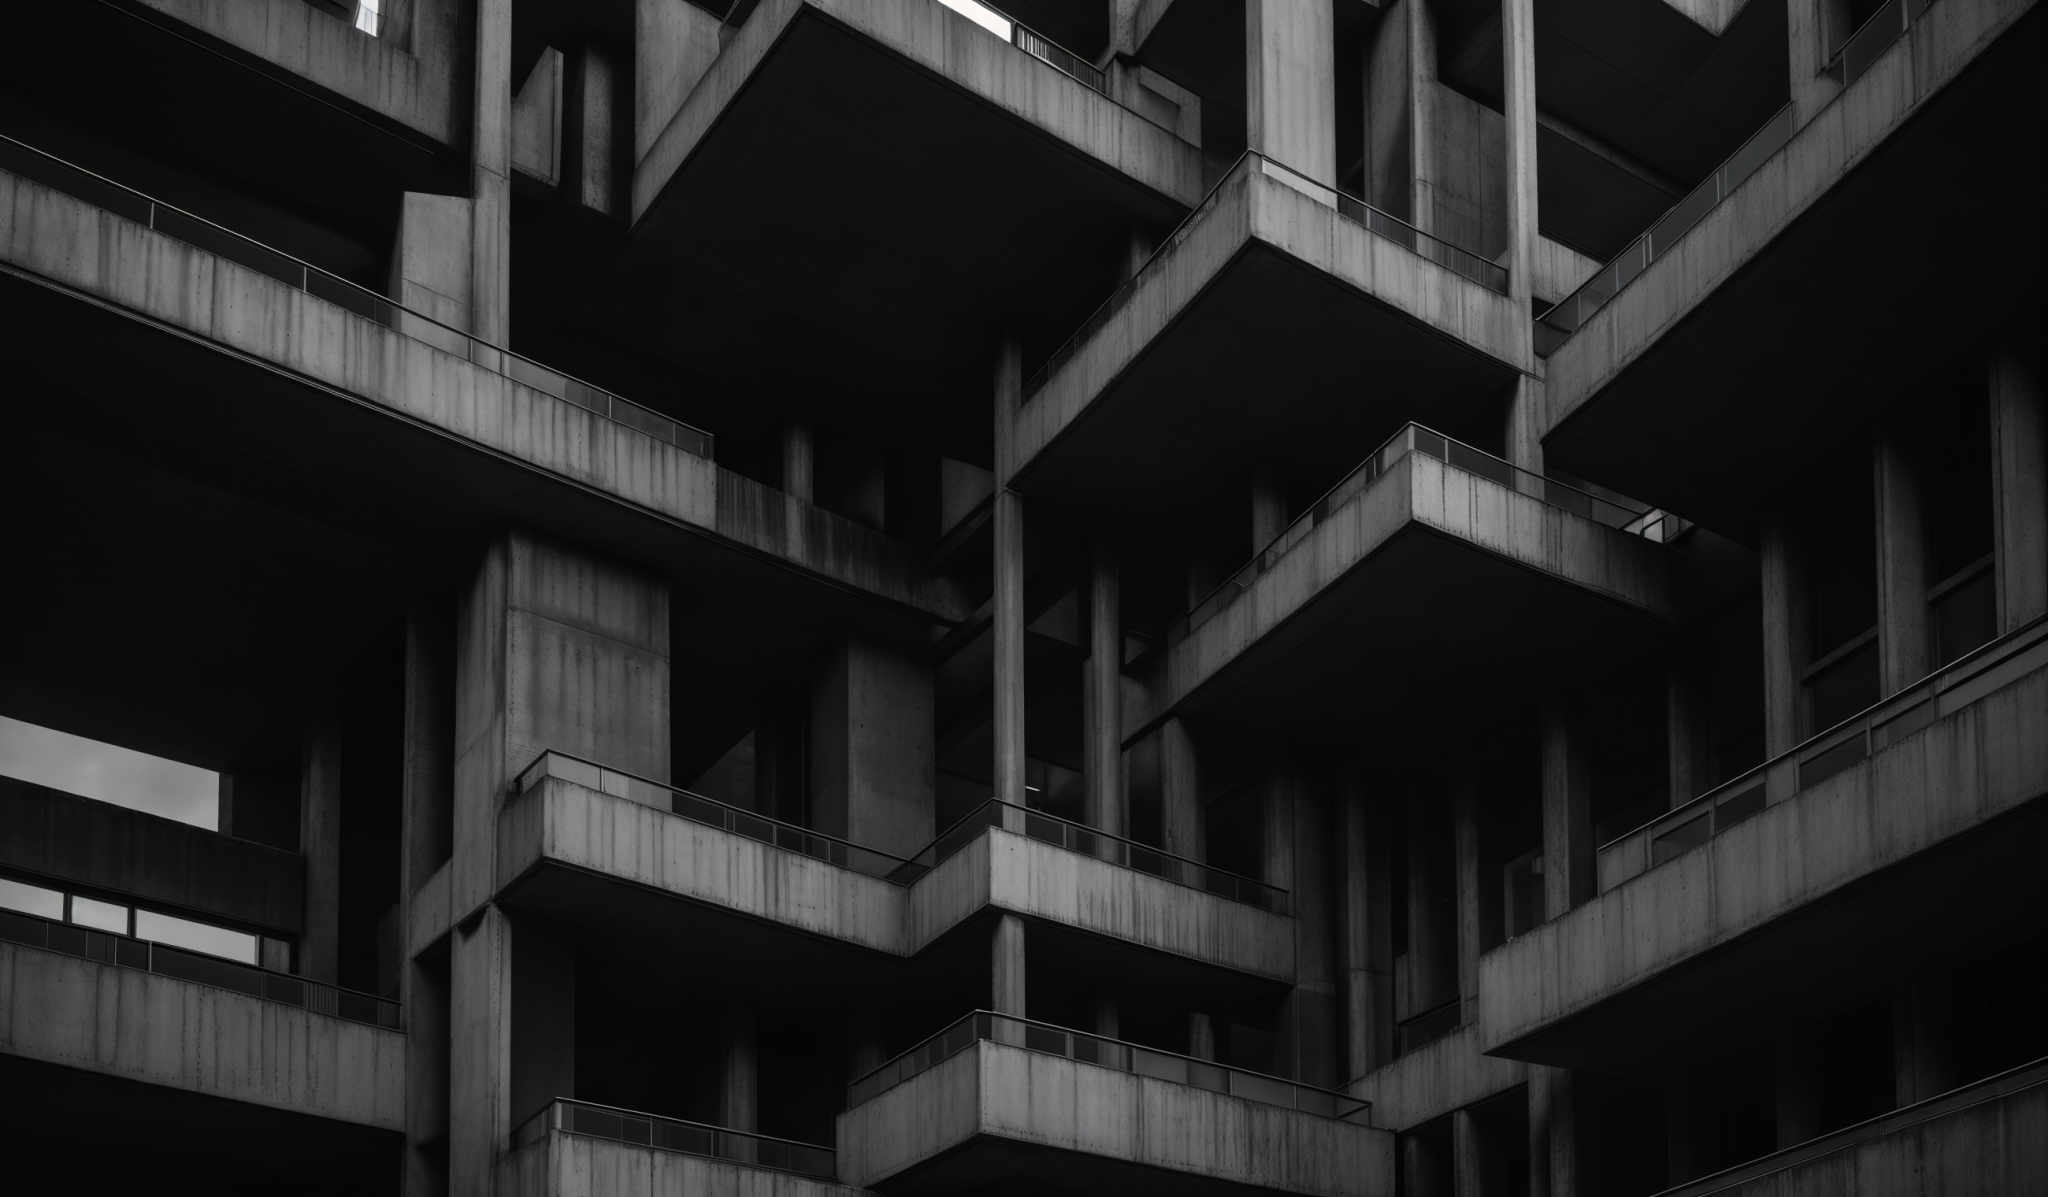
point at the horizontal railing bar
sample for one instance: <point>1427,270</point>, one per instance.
<point>689,1122</point>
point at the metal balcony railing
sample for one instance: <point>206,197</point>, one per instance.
<point>572,1117</point>
<point>1861,49</point>
<point>1648,523</point>
<point>20,158</point>
<point>104,947</point>
<point>898,870</point>
<point>1840,747</point>
<point>1087,841</point>
<point>1109,1053</point>
<point>1487,274</point>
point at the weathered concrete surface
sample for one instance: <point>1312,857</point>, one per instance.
<point>1937,46</point>
<point>957,50</point>
<point>1556,271</point>
<point>415,86</point>
<point>1440,1076</point>
<point>79,246</point>
<point>566,1165</point>
<point>1985,759</point>
<point>1026,1097</point>
<point>153,860</point>
<point>564,823</point>
<point>144,1027</point>
<point>1254,208</point>
<point>1420,491</point>
<point>1983,1140</point>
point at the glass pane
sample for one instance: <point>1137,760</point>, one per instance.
<point>31,899</point>
<point>200,937</point>
<point>1681,839</point>
<point>103,916</point>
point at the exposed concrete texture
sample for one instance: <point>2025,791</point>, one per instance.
<point>2019,471</point>
<point>1024,1097</point>
<point>1810,37</point>
<point>1417,490</point>
<point>553,651</point>
<point>674,42</point>
<point>411,81</point>
<point>480,1051</point>
<point>155,861</point>
<point>1007,967</point>
<point>1979,760</point>
<point>564,823</point>
<point>1784,639</point>
<point>1290,85</point>
<point>430,268</point>
<point>739,1080</point>
<point>567,1165</point>
<point>1553,1134</point>
<point>1461,175</point>
<point>1366,951</point>
<point>1252,208</point>
<point>599,131</point>
<point>1938,45</point>
<point>1568,848</point>
<point>1400,76</point>
<point>1556,271</point>
<point>957,50</point>
<point>1440,1076</point>
<point>79,246</point>
<point>1902,631</point>
<point>537,119</point>
<point>490,158</point>
<point>144,1027</point>
<point>872,759</point>
<point>1518,88</point>
<point>1103,699</point>
<point>320,845</point>
<point>1007,547</point>
<point>1182,821</point>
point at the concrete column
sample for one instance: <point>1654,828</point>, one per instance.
<point>1784,639</point>
<point>1399,77</point>
<point>490,241</point>
<point>1685,763</point>
<point>1103,698</point>
<point>1468,1154</point>
<point>1797,1068</point>
<point>1269,510</point>
<point>798,463</point>
<point>1422,1167</point>
<point>1923,1060</point>
<point>426,1081</point>
<point>1553,1133</point>
<point>1009,582</point>
<point>1518,90</point>
<point>2019,471</point>
<point>1102,1018</point>
<point>537,118</point>
<point>674,42</point>
<point>873,760</point>
<point>1299,857</point>
<point>1522,432</point>
<point>1368,965</point>
<point>427,806</point>
<point>1276,830</point>
<point>1432,908</point>
<point>430,270</point>
<point>1465,816</point>
<point>739,1082</point>
<point>598,130</point>
<point>480,1051</point>
<point>1181,822</point>
<point>1811,27</point>
<point>1568,876</point>
<point>1290,80</point>
<point>1006,967</point>
<point>1902,631</point>
<point>1201,1035</point>
<point>320,841</point>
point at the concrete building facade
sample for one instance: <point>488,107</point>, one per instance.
<point>1441,598</point>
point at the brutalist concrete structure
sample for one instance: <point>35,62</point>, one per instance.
<point>1182,596</point>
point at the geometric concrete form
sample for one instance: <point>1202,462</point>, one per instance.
<point>1936,824</point>
<point>998,1096</point>
<point>576,1149</point>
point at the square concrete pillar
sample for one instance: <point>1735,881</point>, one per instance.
<point>674,43</point>
<point>1518,93</point>
<point>480,1051</point>
<point>426,1080</point>
<point>1102,699</point>
<point>872,754</point>
<point>1812,29</point>
<point>554,650</point>
<point>2019,468</point>
<point>1367,960</point>
<point>490,253</point>
<point>430,270</point>
<point>1008,547</point>
<point>1290,81</point>
<point>1182,822</point>
<point>1006,966</point>
<point>1902,629</point>
<point>1399,82</point>
<point>1298,857</point>
<point>537,118</point>
<point>1468,1154</point>
<point>320,842</point>
<point>1466,823</point>
<point>1553,1133</point>
<point>1784,639</point>
<point>599,131</point>
<point>1432,903</point>
<point>1568,876</point>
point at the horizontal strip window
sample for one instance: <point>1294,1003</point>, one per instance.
<point>116,918</point>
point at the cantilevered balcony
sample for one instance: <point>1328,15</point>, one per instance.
<point>1483,568</point>
<point>574,831</point>
<point>581,1149</point>
<point>148,1012</point>
<point>1809,260</point>
<point>998,1096</point>
<point>267,347</point>
<point>1980,1138</point>
<point>1910,831</point>
<point>1283,320</point>
<point>793,216</point>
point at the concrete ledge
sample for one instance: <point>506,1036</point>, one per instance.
<point>992,1098</point>
<point>414,89</point>
<point>1936,48</point>
<point>102,1018</point>
<point>957,50</point>
<point>1440,1076</point>
<point>1948,778</point>
<point>570,1165</point>
<point>152,860</point>
<point>67,241</point>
